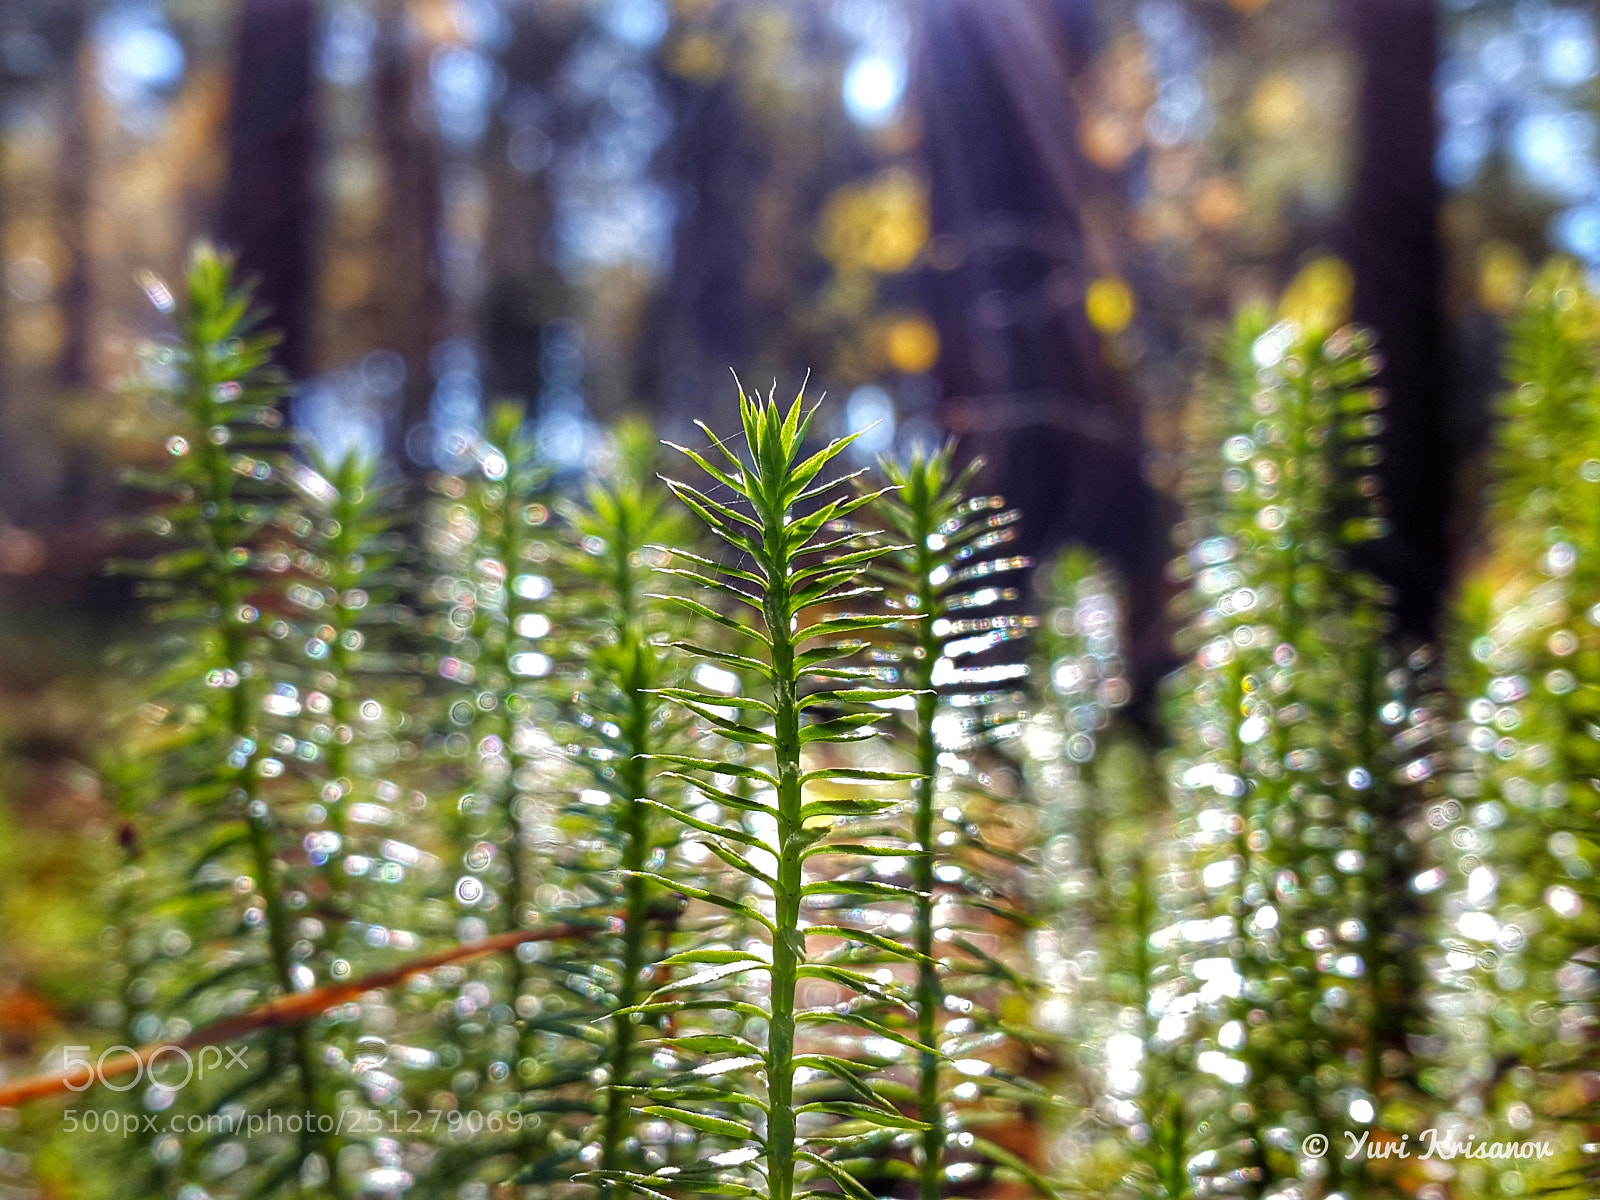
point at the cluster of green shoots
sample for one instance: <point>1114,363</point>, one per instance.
<point>1230,957</point>
<point>624,836</point>
<point>710,836</point>
<point>1518,827</point>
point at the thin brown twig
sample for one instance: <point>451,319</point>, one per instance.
<point>285,1010</point>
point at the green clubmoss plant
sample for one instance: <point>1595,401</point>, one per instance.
<point>1278,757</point>
<point>614,631</point>
<point>1522,917</point>
<point>489,538</point>
<point>950,574</point>
<point>355,899</point>
<point>228,525</point>
<point>1116,992</point>
<point>779,593</point>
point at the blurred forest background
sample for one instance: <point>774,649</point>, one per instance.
<point>1013,220</point>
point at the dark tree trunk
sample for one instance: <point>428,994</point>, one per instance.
<point>77,160</point>
<point>1023,377</point>
<point>412,304</point>
<point>268,204</point>
<point>1391,241</point>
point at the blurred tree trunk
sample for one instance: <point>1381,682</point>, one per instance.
<point>410,300</point>
<point>268,204</point>
<point>1024,380</point>
<point>77,159</point>
<point>1391,241</point>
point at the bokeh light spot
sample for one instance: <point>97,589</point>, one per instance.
<point>1109,139</point>
<point>912,345</point>
<point>1319,297</point>
<point>1218,204</point>
<point>1109,304</point>
<point>881,225</point>
<point>870,412</point>
<point>1278,106</point>
<point>873,85</point>
<point>1502,276</point>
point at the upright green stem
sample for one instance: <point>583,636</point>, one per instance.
<point>624,671</point>
<point>225,531</point>
<point>635,853</point>
<point>155,1176</point>
<point>342,552</point>
<point>929,990</point>
<point>341,712</point>
<point>510,552</point>
<point>245,703</point>
<point>1253,810</point>
<point>496,501</point>
<point>1369,903</point>
<point>788,946</point>
<point>1163,1107</point>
